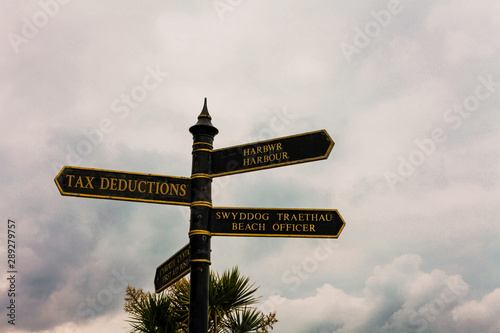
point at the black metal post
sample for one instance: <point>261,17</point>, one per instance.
<point>199,234</point>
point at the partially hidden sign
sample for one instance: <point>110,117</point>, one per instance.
<point>107,184</point>
<point>283,151</point>
<point>275,222</point>
<point>172,270</point>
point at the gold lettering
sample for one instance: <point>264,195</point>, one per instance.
<point>279,216</point>
<point>278,146</point>
<point>130,185</point>
<point>89,182</point>
<point>298,227</point>
<point>294,218</point>
<point>285,216</point>
<point>102,183</point>
<point>246,152</point>
<point>120,182</point>
<point>265,149</point>
<point>225,215</point>
<point>184,254</point>
<point>70,179</point>
<point>79,181</point>
<point>245,161</point>
<point>174,188</point>
<point>235,226</point>
<point>284,155</point>
<point>314,217</point>
<point>234,215</point>
<point>259,150</point>
<point>113,184</point>
<point>182,191</point>
<point>139,187</point>
<point>329,217</point>
<point>161,189</point>
<point>259,159</point>
<point>311,227</point>
<point>150,187</point>
<point>322,218</point>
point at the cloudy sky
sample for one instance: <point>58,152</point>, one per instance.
<point>409,91</point>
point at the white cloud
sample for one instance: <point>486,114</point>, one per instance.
<point>397,297</point>
<point>482,314</point>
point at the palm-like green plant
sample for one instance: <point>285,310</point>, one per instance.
<point>230,296</point>
<point>247,320</point>
<point>228,292</point>
<point>243,321</point>
<point>179,295</point>
<point>150,313</point>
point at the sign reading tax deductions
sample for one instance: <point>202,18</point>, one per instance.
<point>172,270</point>
<point>294,149</point>
<point>275,222</point>
<point>119,185</point>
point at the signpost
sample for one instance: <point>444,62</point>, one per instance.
<point>172,270</point>
<point>273,222</point>
<point>196,192</point>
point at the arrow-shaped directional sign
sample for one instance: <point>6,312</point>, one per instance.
<point>288,150</point>
<point>106,184</point>
<point>272,222</point>
<point>172,270</point>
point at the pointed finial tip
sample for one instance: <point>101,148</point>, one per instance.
<point>204,123</point>
<point>204,111</point>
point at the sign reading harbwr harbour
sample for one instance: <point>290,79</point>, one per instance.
<point>196,192</point>
<point>294,149</point>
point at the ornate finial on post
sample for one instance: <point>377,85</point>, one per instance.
<point>204,124</point>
